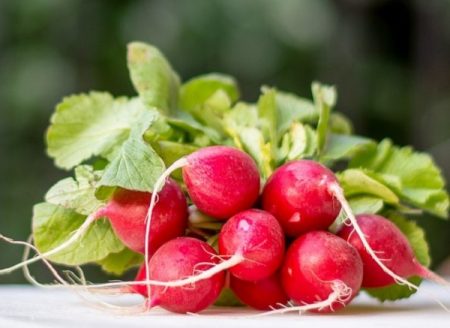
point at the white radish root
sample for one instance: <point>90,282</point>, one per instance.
<point>340,294</point>
<point>73,238</point>
<point>232,261</point>
<point>148,219</point>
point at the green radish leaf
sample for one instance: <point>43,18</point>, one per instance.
<point>227,298</point>
<point>119,263</point>
<point>324,100</point>
<point>136,167</point>
<point>358,182</point>
<point>417,240</point>
<point>341,146</point>
<point>268,118</point>
<point>170,151</point>
<point>291,108</point>
<point>299,142</point>
<point>161,130</point>
<point>366,204</point>
<point>241,125</point>
<point>210,113</point>
<point>393,292</point>
<point>53,224</point>
<point>340,124</point>
<point>242,115</point>
<point>253,143</point>
<point>104,193</point>
<point>79,193</point>
<point>153,77</point>
<point>194,133</point>
<point>87,125</point>
<point>413,176</point>
<point>373,158</point>
<point>195,92</point>
<point>182,129</point>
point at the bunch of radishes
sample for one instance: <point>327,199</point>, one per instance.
<point>274,248</point>
<point>250,211</point>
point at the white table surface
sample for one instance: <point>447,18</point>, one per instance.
<point>26,306</point>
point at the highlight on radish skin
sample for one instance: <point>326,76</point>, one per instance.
<point>322,269</point>
<point>264,294</point>
<point>256,236</point>
<point>391,245</point>
<point>297,195</point>
<point>127,211</point>
<point>179,258</point>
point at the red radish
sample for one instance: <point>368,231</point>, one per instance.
<point>297,195</point>
<point>127,211</point>
<point>263,294</point>
<point>305,195</point>
<point>175,260</point>
<point>140,276</point>
<point>387,240</point>
<point>257,237</point>
<point>221,181</point>
<point>322,271</point>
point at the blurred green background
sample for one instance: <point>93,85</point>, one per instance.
<point>390,61</point>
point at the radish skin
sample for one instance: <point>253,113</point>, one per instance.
<point>339,193</point>
<point>265,294</point>
<point>257,236</point>
<point>320,266</point>
<point>387,240</point>
<point>297,195</point>
<point>179,258</point>
<point>127,210</point>
<point>221,181</point>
